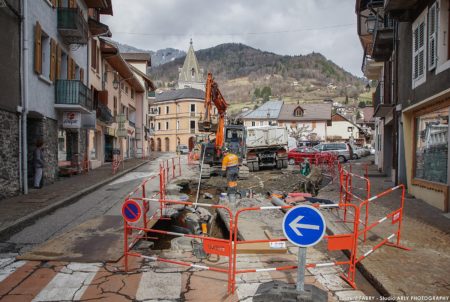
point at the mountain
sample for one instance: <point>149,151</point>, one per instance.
<point>240,69</point>
<point>161,56</point>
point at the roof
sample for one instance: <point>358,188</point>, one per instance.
<point>145,77</point>
<point>177,94</point>
<point>311,112</point>
<point>190,72</point>
<point>137,56</point>
<point>271,107</point>
<point>367,113</point>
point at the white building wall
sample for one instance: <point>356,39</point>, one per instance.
<point>340,128</point>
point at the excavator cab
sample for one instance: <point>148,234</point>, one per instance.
<point>235,136</point>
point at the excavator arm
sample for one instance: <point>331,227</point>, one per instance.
<point>213,95</point>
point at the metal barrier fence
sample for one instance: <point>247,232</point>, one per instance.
<point>353,202</point>
<point>345,241</point>
<point>212,245</point>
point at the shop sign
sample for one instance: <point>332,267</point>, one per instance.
<point>71,119</point>
<point>110,131</point>
<point>122,132</point>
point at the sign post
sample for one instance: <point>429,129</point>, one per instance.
<point>303,226</point>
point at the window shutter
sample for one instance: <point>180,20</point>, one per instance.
<point>432,37</point>
<point>38,48</point>
<point>419,51</point>
<point>58,62</point>
<point>52,59</point>
<point>81,74</point>
<point>73,71</point>
<point>72,4</point>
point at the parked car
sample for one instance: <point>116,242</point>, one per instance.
<point>182,149</point>
<point>343,151</point>
<point>298,155</point>
<point>358,152</point>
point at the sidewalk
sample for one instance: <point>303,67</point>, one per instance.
<point>18,211</point>
<point>423,270</point>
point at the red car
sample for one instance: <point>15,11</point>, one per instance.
<point>297,155</point>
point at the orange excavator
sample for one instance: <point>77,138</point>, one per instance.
<point>231,136</point>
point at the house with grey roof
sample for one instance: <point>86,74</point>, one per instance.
<point>306,121</point>
<point>266,114</point>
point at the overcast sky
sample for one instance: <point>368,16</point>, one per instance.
<point>290,27</point>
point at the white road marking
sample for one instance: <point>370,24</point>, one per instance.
<point>8,269</point>
<point>69,284</point>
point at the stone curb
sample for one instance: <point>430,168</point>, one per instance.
<point>27,220</point>
<point>331,230</point>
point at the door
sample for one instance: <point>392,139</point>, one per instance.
<point>109,145</point>
<point>191,143</point>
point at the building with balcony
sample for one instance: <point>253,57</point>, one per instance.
<point>413,93</point>
<point>58,100</point>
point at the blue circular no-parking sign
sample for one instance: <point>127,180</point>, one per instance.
<point>131,211</point>
<point>304,225</point>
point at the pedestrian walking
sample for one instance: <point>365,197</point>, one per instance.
<point>38,163</point>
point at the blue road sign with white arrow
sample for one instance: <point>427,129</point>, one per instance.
<point>304,225</point>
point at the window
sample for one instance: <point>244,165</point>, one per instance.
<point>44,53</point>
<point>193,108</point>
<point>167,109</point>
<point>132,93</point>
<point>178,125</point>
<point>126,89</point>
<point>167,125</point>
<point>193,73</point>
<point>159,126</point>
<point>432,36</point>
<point>298,111</point>
<point>192,126</point>
<point>159,110</point>
<point>253,123</point>
<point>94,55</point>
<point>431,143</point>
<point>419,50</point>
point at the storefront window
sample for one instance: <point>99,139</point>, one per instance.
<point>432,146</point>
<point>62,150</point>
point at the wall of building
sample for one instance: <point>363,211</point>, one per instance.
<point>9,154</point>
<point>178,111</point>
<point>41,89</point>
<point>317,127</point>
<point>340,128</point>
<point>10,55</point>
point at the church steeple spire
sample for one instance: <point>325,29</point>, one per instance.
<point>190,75</point>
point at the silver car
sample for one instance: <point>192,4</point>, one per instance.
<point>343,150</point>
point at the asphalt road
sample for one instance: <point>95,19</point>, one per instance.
<point>107,200</point>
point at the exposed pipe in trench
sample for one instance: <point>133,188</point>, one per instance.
<point>199,179</point>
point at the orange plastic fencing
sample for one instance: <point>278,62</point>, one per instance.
<point>346,241</point>
<point>212,245</point>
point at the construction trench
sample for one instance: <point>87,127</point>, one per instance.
<point>261,189</point>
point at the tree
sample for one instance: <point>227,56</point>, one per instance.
<point>358,115</point>
<point>257,93</point>
<point>361,104</point>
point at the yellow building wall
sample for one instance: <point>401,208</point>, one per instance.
<point>177,111</point>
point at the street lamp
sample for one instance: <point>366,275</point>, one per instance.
<point>370,22</point>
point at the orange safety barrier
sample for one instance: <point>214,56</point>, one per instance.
<point>212,245</point>
<point>396,217</point>
<point>347,241</point>
<point>117,161</point>
<point>354,187</point>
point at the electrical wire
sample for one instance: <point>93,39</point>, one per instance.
<point>238,33</point>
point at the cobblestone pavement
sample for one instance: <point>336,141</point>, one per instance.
<point>423,270</point>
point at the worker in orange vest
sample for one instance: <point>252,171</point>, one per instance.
<point>230,166</point>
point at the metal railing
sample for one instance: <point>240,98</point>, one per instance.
<point>72,25</point>
<point>73,92</point>
<point>104,114</point>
